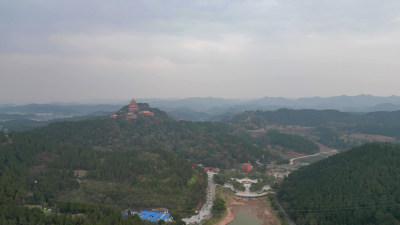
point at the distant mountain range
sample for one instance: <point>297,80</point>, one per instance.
<point>204,109</point>
<point>216,108</point>
<point>30,116</point>
<point>58,109</point>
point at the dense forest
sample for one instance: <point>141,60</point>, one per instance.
<point>312,117</point>
<point>360,186</point>
<point>122,164</point>
<point>287,142</point>
<point>35,171</point>
<point>211,143</point>
<point>305,117</point>
<point>328,127</point>
<point>387,130</point>
<point>70,213</point>
<point>3,137</point>
<point>331,138</point>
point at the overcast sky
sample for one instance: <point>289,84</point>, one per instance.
<point>71,50</point>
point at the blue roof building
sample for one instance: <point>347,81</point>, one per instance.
<point>149,215</point>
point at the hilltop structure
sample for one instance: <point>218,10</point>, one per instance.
<point>132,109</point>
<point>147,114</point>
<point>246,167</point>
<point>133,112</point>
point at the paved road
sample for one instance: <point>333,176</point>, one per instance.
<point>205,211</point>
<point>302,157</point>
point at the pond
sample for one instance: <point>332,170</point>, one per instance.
<point>246,216</point>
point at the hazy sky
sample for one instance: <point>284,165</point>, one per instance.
<point>68,50</point>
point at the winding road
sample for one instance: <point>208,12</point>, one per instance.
<point>319,153</point>
<point>205,211</point>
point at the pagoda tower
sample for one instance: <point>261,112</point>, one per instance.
<point>133,106</point>
<point>132,109</point>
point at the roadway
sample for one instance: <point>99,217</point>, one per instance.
<point>319,153</point>
<point>205,211</point>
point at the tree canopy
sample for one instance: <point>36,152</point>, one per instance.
<point>360,186</point>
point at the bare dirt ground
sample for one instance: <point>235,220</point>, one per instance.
<point>258,205</point>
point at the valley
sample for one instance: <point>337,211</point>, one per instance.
<point>138,158</point>
<point>246,112</point>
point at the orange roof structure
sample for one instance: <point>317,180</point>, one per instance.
<point>146,113</point>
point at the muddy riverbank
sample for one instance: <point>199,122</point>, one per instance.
<point>258,206</point>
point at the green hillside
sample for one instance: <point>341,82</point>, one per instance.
<point>34,171</point>
<point>287,141</point>
<point>122,163</point>
<point>304,117</point>
<point>332,128</point>
<point>210,143</point>
<point>360,186</point>
<point>312,117</point>
<point>3,137</point>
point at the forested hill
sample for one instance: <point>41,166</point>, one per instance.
<point>287,142</point>
<point>210,143</point>
<point>37,172</point>
<point>311,117</point>
<point>63,164</point>
<point>360,186</point>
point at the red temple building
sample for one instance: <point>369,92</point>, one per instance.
<point>246,167</point>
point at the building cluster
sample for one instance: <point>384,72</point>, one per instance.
<point>154,215</point>
<point>246,167</point>
<point>133,111</point>
<point>147,114</point>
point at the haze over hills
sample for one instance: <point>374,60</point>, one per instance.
<point>333,128</point>
<point>57,109</point>
<point>202,109</point>
<point>121,161</point>
<point>215,108</point>
<point>121,156</point>
<point>25,117</point>
<point>233,97</point>
<point>210,143</point>
<point>71,165</point>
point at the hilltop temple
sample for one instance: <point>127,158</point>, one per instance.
<point>147,114</point>
<point>132,109</point>
<point>133,112</point>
